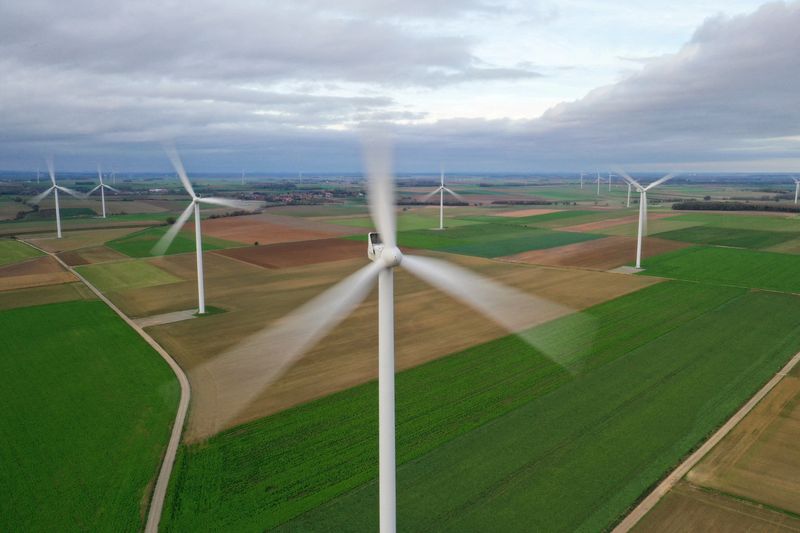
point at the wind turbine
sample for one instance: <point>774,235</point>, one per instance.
<point>796,188</point>
<point>581,180</point>
<point>54,189</point>
<point>598,184</point>
<point>642,208</point>
<point>628,204</point>
<point>283,343</point>
<point>194,207</point>
<point>609,181</point>
<point>102,188</point>
<point>441,190</point>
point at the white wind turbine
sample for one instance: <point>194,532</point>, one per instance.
<point>441,190</point>
<point>642,209</point>
<point>598,184</point>
<point>193,208</point>
<point>54,189</point>
<point>796,188</point>
<point>102,187</point>
<point>628,204</point>
<point>274,349</point>
<point>581,180</point>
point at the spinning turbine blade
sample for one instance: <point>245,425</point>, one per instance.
<point>39,197</point>
<point>270,352</point>
<point>659,181</point>
<point>628,178</point>
<point>458,196</point>
<point>229,202</point>
<point>99,174</point>
<point>90,192</point>
<point>163,243</point>
<point>109,187</point>
<point>51,170</point>
<point>177,164</point>
<point>71,192</point>
<point>380,185</point>
<point>430,194</point>
<point>511,308</point>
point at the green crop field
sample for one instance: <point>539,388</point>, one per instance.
<point>533,239</point>
<point>87,411</point>
<point>740,238</point>
<point>121,275</point>
<point>557,219</point>
<point>743,221</point>
<point>407,221</point>
<point>12,251</point>
<point>140,244</point>
<point>497,437</point>
<point>729,266</point>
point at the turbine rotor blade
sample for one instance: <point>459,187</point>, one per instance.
<point>163,243</point>
<point>51,170</point>
<point>41,196</point>
<point>628,178</point>
<point>109,187</point>
<point>430,194</point>
<point>269,353</point>
<point>229,202</point>
<point>71,192</point>
<point>511,308</point>
<point>90,192</point>
<point>458,196</point>
<point>660,181</point>
<point>177,164</point>
<point>99,173</point>
<point>380,186</point>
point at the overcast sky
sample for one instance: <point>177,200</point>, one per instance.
<point>476,85</point>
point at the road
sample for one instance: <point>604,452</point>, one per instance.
<point>162,483</point>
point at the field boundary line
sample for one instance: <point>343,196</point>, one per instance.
<point>650,501</point>
<point>162,482</point>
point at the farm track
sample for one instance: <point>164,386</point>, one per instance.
<point>661,490</point>
<point>162,482</point>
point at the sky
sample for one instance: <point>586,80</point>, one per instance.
<point>471,85</point>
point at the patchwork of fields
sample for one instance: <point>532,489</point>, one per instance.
<point>140,244</point>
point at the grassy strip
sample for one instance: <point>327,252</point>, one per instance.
<point>125,275</point>
<point>12,251</point>
<point>140,244</point>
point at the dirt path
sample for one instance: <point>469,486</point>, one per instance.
<point>676,475</point>
<point>166,318</point>
<point>160,490</point>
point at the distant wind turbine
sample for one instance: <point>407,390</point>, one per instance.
<point>102,188</point>
<point>642,209</point>
<point>581,180</point>
<point>194,207</point>
<point>54,189</point>
<point>796,188</point>
<point>609,181</point>
<point>598,184</point>
<point>441,190</point>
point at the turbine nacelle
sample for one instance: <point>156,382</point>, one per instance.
<point>390,256</point>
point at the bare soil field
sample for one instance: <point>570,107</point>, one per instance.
<point>115,205</point>
<point>254,297</point>
<point>33,273</point>
<point>612,222</point>
<point>599,254</point>
<point>687,508</point>
<point>760,459</point>
<point>48,294</point>
<point>269,229</point>
<point>291,254</point>
<point>527,212</point>
<point>81,239</point>
<point>94,254</point>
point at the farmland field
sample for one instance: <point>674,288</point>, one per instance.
<point>87,410</point>
<point>140,244</point>
<point>408,221</point>
<point>126,275</point>
<point>12,251</point>
<point>729,266</point>
<point>763,222</point>
<point>512,441</point>
<point>740,238</point>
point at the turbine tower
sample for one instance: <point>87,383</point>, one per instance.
<point>609,182</point>
<point>628,204</point>
<point>193,208</point>
<point>441,190</point>
<point>54,189</point>
<point>581,180</point>
<point>796,188</point>
<point>285,341</point>
<point>598,184</point>
<point>642,209</point>
<point>102,188</point>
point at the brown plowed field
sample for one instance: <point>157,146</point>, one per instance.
<point>291,254</point>
<point>254,297</point>
<point>48,294</point>
<point>34,273</point>
<point>688,509</point>
<point>270,229</point>
<point>82,239</point>
<point>527,212</point>
<point>599,254</point>
<point>612,222</point>
<point>86,256</point>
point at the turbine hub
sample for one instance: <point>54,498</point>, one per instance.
<point>391,257</point>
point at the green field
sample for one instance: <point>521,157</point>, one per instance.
<point>125,275</point>
<point>12,251</point>
<point>729,266</point>
<point>550,220</point>
<point>406,221</point>
<point>497,438</point>
<point>743,221</point>
<point>87,411</point>
<point>140,244</point>
<point>739,238</point>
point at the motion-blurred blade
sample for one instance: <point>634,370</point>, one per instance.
<point>71,192</point>
<point>457,196</point>
<point>90,192</point>
<point>99,174</point>
<point>513,309</point>
<point>110,188</point>
<point>230,202</point>
<point>628,178</point>
<point>659,181</point>
<point>380,187</point>
<point>41,196</point>
<point>163,243</point>
<point>430,194</point>
<point>177,164</point>
<point>51,169</point>
<point>266,355</point>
